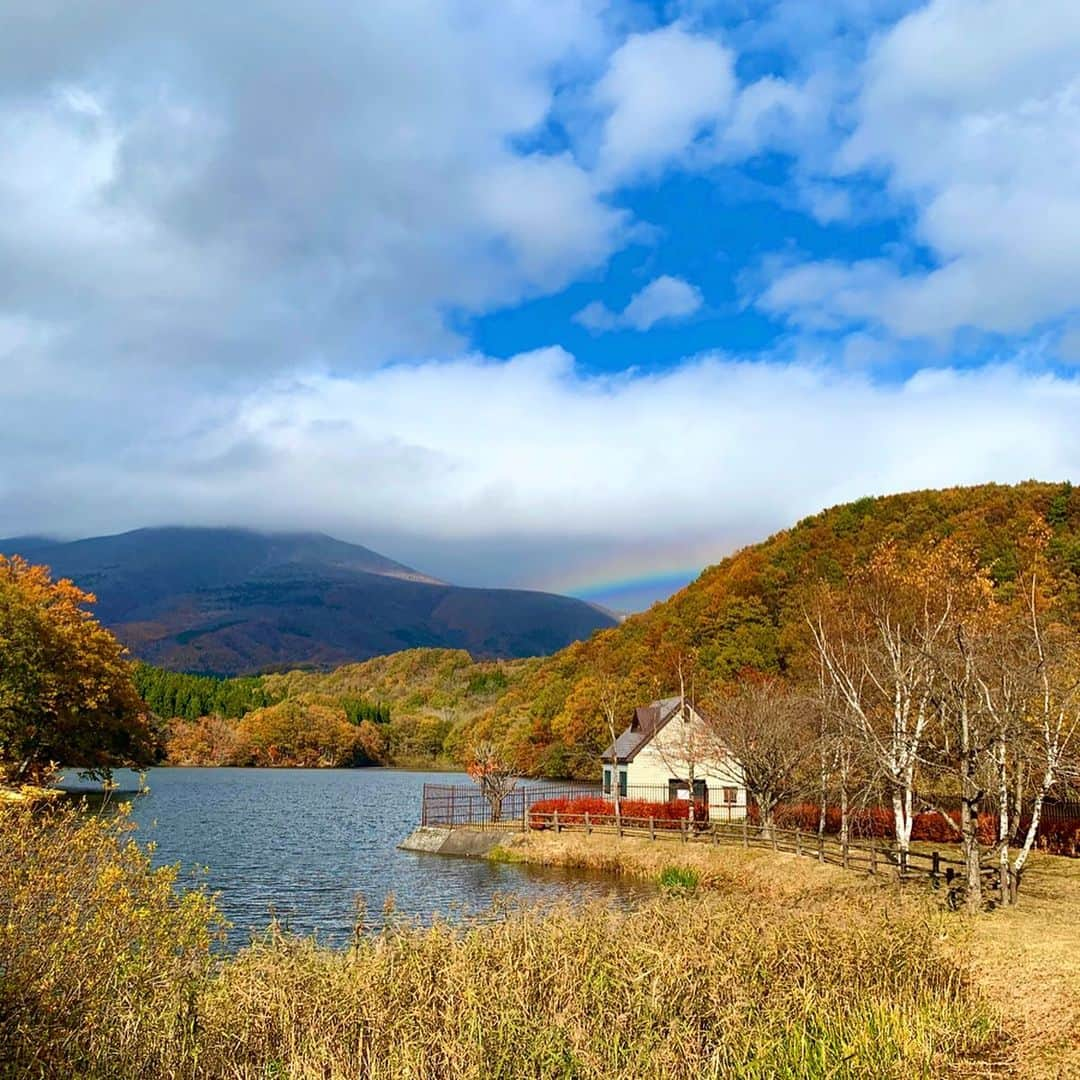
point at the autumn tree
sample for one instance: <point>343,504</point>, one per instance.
<point>768,727</point>
<point>304,733</point>
<point>1030,685</point>
<point>66,690</point>
<point>491,775</point>
<point>875,636</point>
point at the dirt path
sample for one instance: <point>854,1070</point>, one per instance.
<point>1027,959</point>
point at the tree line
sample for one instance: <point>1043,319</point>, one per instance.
<point>923,686</point>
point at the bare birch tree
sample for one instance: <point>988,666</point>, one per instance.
<point>1031,691</point>
<point>687,748</point>
<point>768,727</point>
<point>873,638</point>
<point>612,698</point>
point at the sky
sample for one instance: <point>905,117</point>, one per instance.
<point>559,294</point>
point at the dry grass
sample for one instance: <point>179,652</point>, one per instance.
<point>1028,959</point>
<point>807,976</point>
<point>755,871</point>
<point>1024,960</point>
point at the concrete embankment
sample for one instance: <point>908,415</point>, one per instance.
<point>440,840</point>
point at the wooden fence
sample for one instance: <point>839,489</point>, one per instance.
<point>870,856</point>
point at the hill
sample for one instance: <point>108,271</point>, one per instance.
<point>742,613</point>
<point>233,601</point>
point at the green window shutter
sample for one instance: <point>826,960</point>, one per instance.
<point>622,782</point>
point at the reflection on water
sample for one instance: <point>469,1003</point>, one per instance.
<point>303,843</point>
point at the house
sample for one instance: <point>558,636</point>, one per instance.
<point>667,742</point>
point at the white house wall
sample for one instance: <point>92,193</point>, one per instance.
<point>667,755</point>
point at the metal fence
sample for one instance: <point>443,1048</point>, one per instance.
<point>459,804</point>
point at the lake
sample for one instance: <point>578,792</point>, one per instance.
<point>302,843</point>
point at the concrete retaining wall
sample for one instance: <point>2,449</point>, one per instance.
<point>440,840</point>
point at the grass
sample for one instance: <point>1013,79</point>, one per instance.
<point>106,971</point>
<point>1027,958</point>
<point>678,879</point>
<point>1024,961</point>
<point>501,854</point>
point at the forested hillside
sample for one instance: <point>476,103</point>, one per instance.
<point>545,714</point>
<point>742,612</point>
<point>238,602</point>
<point>410,708</point>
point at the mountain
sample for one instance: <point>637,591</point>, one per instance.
<point>742,612</point>
<point>231,601</point>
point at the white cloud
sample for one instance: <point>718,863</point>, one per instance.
<point>971,111</point>
<point>533,451</point>
<point>664,299</point>
<point>662,91</point>
<point>184,187</point>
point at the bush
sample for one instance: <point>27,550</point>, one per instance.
<point>874,822</point>
<point>99,957</point>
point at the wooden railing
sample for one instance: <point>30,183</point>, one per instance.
<point>873,857</point>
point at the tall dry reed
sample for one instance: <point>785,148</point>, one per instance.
<point>712,985</point>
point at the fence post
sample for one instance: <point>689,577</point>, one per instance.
<point>798,842</point>
<point>588,826</point>
<point>820,848</point>
<point>844,852</point>
<point>773,831</point>
<point>745,832</point>
<point>873,856</point>
<point>715,834</point>
<point>557,826</point>
<point>652,828</point>
<point>935,870</point>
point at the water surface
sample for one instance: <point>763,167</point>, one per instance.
<point>303,843</point>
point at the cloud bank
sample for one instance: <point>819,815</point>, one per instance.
<point>439,456</point>
<point>245,268</point>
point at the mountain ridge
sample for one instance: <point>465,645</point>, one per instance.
<point>233,601</point>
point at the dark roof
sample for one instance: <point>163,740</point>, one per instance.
<point>647,721</point>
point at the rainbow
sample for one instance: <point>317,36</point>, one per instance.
<point>655,573</point>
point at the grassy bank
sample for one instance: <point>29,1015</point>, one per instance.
<point>1024,962</point>
<point>106,971</point>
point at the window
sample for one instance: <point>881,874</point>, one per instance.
<point>622,782</point>
<point>680,789</point>
<point>607,779</point>
<point>731,795</point>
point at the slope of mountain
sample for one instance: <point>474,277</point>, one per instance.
<point>742,613</point>
<point>230,601</point>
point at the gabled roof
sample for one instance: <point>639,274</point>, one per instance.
<point>647,721</point>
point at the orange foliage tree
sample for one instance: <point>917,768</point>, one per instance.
<point>66,690</point>
<point>297,733</point>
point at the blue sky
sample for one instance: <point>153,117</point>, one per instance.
<point>567,294</point>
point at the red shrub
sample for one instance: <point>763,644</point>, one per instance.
<point>874,821</point>
<point>1057,837</point>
